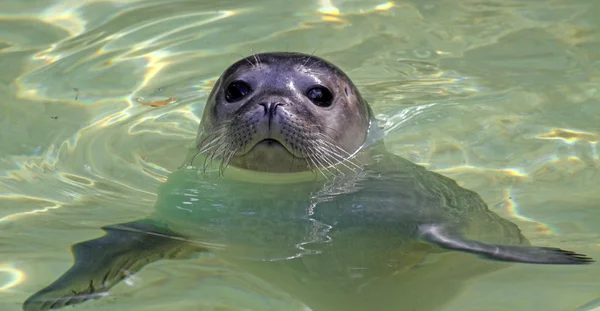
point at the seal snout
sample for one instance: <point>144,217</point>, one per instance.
<point>271,120</point>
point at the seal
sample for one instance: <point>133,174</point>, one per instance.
<point>284,113</point>
<point>311,202</point>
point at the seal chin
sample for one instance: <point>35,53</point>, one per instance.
<point>268,145</point>
<point>272,156</point>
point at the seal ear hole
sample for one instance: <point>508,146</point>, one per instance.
<point>236,90</point>
<point>320,96</point>
<point>347,92</point>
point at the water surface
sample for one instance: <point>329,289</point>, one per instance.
<point>503,96</point>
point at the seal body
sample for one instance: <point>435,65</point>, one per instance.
<point>352,243</point>
<point>311,202</point>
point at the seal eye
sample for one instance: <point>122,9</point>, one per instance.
<point>320,96</point>
<point>236,90</point>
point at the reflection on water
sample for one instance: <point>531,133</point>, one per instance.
<point>500,95</point>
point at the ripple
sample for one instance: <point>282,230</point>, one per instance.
<point>10,277</point>
<point>19,200</point>
<point>500,95</point>
<point>570,136</point>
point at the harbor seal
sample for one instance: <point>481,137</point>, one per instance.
<point>298,189</point>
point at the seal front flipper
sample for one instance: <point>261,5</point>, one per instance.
<point>438,235</point>
<point>103,262</point>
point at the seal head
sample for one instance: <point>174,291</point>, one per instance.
<point>282,113</point>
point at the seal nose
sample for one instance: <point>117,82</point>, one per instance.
<point>270,108</point>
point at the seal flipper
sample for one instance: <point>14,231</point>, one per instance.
<point>103,262</point>
<point>436,234</point>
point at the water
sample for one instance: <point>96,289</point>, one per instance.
<point>500,95</point>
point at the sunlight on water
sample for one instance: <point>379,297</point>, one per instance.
<point>102,100</point>
<point>12,276</point>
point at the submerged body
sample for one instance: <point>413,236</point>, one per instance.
<point>370,229</point>
<point>353,243</point>
<point>386,203</point>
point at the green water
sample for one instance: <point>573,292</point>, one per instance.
<point>503,96</point>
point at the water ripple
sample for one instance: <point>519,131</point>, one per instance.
<point>102,99</point>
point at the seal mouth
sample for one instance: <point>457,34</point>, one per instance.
<point>272,144</point>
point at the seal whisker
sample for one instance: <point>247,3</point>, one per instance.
<point>330,143</point>
<point>319,166</point>
<point>337,148</point>
<point>333,143</point>
<point>310,164</point>
<point>309,57</point>
<point>216,131</point>
<point>309,161</point>
<point>211,144</point>
<point>219,151</point>
<point>199,147</point>
<point>345,154</point>
<point>218,144</point>
<point>256,57</point>
<point>225,162</point>
<point>207,161</point>
<point>343,159</point>
<point>342,162</point>
<point>214,153</point>
<point>319,157</point>
<point>206,148</point>
<point>328,146</point>
<point>245,58</point>
<point>311,157</point>
<point>328,158</point>
<point>220,133</point>
<point>323,154</point>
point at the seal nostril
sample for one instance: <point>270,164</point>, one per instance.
<point>270,108</point>
<point>266,107</point>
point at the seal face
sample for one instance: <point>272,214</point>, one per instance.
<point>283,112</point>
